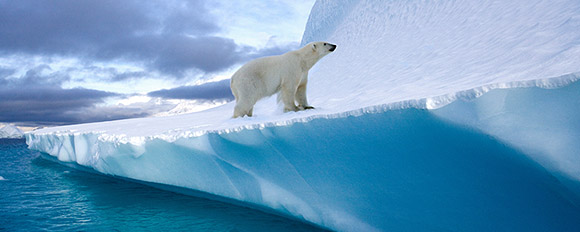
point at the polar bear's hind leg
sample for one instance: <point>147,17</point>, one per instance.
<point>244,106</point>
<point>243,109</point>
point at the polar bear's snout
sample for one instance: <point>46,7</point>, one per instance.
<point>332,47</point>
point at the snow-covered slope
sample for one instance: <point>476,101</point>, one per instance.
<point>447,115</point>
<point>391,51</point>
<point>11,132</point>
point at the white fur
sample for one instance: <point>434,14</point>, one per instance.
<point>286,73</point>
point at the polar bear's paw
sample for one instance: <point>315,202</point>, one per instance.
<point>291,109</point>
<point>300,108</point>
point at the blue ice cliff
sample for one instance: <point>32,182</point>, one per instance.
<point>431,116</point>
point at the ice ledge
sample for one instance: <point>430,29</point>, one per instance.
<point>282,175</point>
<point>548,83</point>
<point>171,133</point>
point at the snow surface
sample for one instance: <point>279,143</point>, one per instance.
<point>10,132</point>
<point>395,54</point>
<point>447,115</point>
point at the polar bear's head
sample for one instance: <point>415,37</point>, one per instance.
<point>322,48</point>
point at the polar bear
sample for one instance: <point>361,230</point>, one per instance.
<point>286,73</point>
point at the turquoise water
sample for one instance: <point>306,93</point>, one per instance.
<point>38,194</point>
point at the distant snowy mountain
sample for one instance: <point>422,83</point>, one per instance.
<point>430,116</point>
<point>10,131</point>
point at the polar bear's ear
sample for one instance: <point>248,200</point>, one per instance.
<point>313,47</point>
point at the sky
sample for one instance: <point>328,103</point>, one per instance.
<point>68,61</point>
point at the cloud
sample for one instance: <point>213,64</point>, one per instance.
<point>107,44</point>
<point>117,112</point>
<point>4,72</point>
<point>36,99</point>
<point>170,37</point>
<point>35,78</point>
<point>219,90</point>
<point>47,105</point>
<point>65,26</point>
<point>68,26</point>
<point>272,50</point>
<point>206,53</point>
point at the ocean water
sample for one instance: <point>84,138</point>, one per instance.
<point>37,194</point>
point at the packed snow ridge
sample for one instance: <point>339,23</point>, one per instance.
<point>417,104</point>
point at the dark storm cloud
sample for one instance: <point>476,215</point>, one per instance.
<point>168,36</point>
<point>207,91</point>
<point>65,26</point>
<point>48,105</point>
<point>45,104</point>
<point>38,99</point>
<point>177,53</point>
<point>86,114</point>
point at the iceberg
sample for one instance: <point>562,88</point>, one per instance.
<point>431,116</point>
<point>10,132</point>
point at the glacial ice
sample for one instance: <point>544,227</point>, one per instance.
<point>431,116</point>
<point>10,132</point>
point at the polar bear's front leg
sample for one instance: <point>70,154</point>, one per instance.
<point>301,97</point>
<point>287,93</point>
